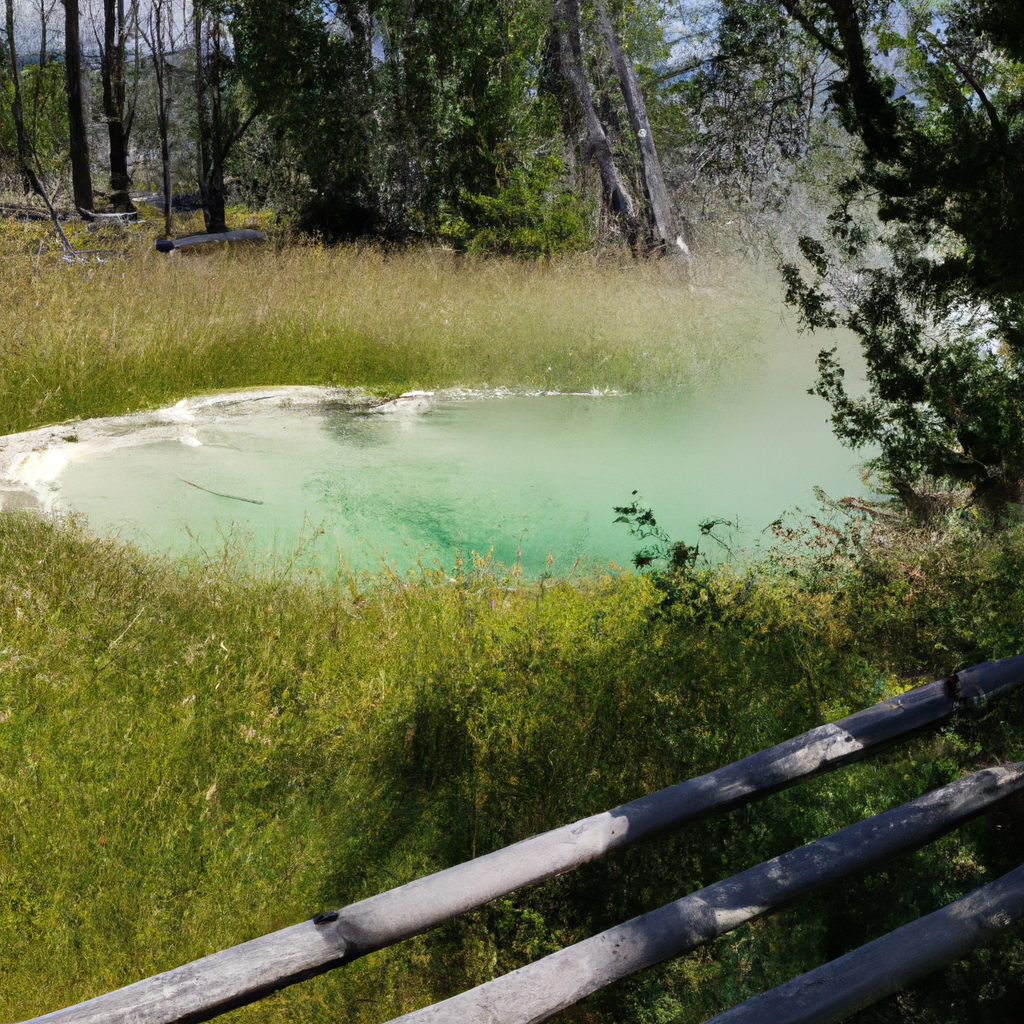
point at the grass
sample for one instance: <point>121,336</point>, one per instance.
<point>142,330</point>
<point>190,756</point>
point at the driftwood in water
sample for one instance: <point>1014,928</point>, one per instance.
<point>167,244</point>
<point>221,494</point>
<point>539,990</point>
<point>835,990</point>
<point>248,972</point>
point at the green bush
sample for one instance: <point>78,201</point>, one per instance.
<point>532,214</point>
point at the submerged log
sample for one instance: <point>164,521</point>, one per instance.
<point>245,973</point>
<point>167,244</point>
<point>539,990</point>
<point>835,990</point>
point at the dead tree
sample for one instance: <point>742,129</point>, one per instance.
<point>118,117</point>
<point>667,228</point>
<point>566,23</point>
<point>157,36</point>
<point>25,158</point>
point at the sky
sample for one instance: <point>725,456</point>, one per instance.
<point>27,22</point>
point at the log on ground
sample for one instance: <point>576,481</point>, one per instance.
<point>168,244</point>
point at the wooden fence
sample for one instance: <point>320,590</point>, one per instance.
<point>242,974</point>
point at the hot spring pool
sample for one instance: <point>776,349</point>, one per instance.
<point>529,477</point>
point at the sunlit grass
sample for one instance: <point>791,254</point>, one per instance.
<point>143,329</point>
<point>192,755</point>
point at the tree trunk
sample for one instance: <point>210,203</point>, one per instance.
<point>81,176</point>
<point>566,20</point>
<point>216,222</point>
<point>112,73</point>
<point>208,142</point>
<point>42,33</point>
<point>159,73</point>
<point>201,133</point>
<point>670,235</point>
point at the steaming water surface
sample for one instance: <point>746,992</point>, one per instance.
<point>532,477</point>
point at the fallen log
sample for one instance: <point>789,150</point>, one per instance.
<point>28,212</point>
<point>538,991</point>
<point>245,973</point>
<point>168,244</point>
<point>835,990</point>
<point>122,217</point>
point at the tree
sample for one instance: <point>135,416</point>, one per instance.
<point>922,259</point>
<point>668,231</point>
<point>24,148</point>
<point>45,10</point>
<point>220,120</point>
<point>118,115</point>
<point>739,107</point>
<point>407,120</point>
<point>158,34</point>
<point>316,80</point>
<point>566,20</point>
<point>81,175</point>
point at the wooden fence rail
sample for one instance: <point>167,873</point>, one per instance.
<point>837,989</point>
<point>539,990</point>
<point>242,974</point>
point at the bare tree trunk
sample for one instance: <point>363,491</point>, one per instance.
<point>42,33</point>
<point>206,149</point>
<point>566,21</point>
<point>216,221</point>
<point>112,74</point>
<point>201,135</point>
<point>156,45</point>
<point>81,176</point>
<point>670,235</point>
<point>216,135</point>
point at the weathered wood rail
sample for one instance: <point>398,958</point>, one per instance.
<point>242,974</point>
<point>837,989</point>
<point>539,990</point>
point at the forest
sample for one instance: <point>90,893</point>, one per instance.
<point>587,197</point>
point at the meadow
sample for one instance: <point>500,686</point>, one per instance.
<point>142,329</point>
<point>195,752</point>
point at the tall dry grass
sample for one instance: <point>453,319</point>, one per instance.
<point>143,329</point>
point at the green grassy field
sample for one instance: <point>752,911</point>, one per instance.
<point>193,753</point>
<point>190,757</point>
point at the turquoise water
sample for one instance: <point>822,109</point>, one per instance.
<point>531,479</point>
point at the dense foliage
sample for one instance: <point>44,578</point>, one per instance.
<point>439,121</point>
<point>938,109</point>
